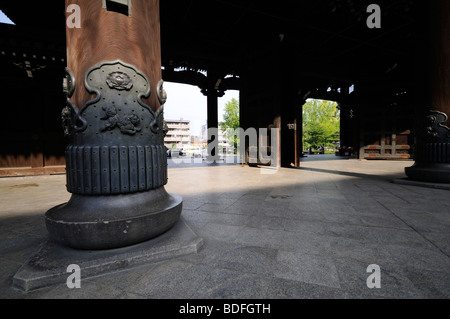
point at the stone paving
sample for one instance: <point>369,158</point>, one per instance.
<point>297,233</point>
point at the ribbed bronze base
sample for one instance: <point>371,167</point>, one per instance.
<point>105,222</point>
<point>429,172</point>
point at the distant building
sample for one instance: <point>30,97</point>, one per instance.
<point>179,133</point>
<point>197,141</point>
<point>223,139</point>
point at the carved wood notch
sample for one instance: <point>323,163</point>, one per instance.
<point>119,6</point>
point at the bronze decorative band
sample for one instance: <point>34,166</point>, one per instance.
<point>113,170</point>
<point>434,153</point>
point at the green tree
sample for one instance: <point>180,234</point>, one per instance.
<point>321,123</point>
<point>230,121</point>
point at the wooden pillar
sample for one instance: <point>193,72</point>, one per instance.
<point>213,90</point>
<point>297,142</point>
<point>212,113</point>
<point>116,159</point>
<point>108,35</point>
<point>299,132</point>
<point>440,77</point>
<point>432,153</point>
<point>289,108</point>
<point>212,123</point>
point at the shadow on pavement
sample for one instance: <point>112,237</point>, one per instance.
<point>322,157</point>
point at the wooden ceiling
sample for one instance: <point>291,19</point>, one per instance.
<point>329,39</point>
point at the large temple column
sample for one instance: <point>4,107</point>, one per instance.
<point>116,160</point>
<point>432,158</point>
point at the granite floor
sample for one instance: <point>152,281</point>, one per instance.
<point>284,234</point>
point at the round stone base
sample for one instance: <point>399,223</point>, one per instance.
<point>429,172</point>
<point>106,222</point>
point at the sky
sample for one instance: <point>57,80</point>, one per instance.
<point>4,18</point>
<point>188,103</point>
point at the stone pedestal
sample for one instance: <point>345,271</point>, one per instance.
<point>48,265</point>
